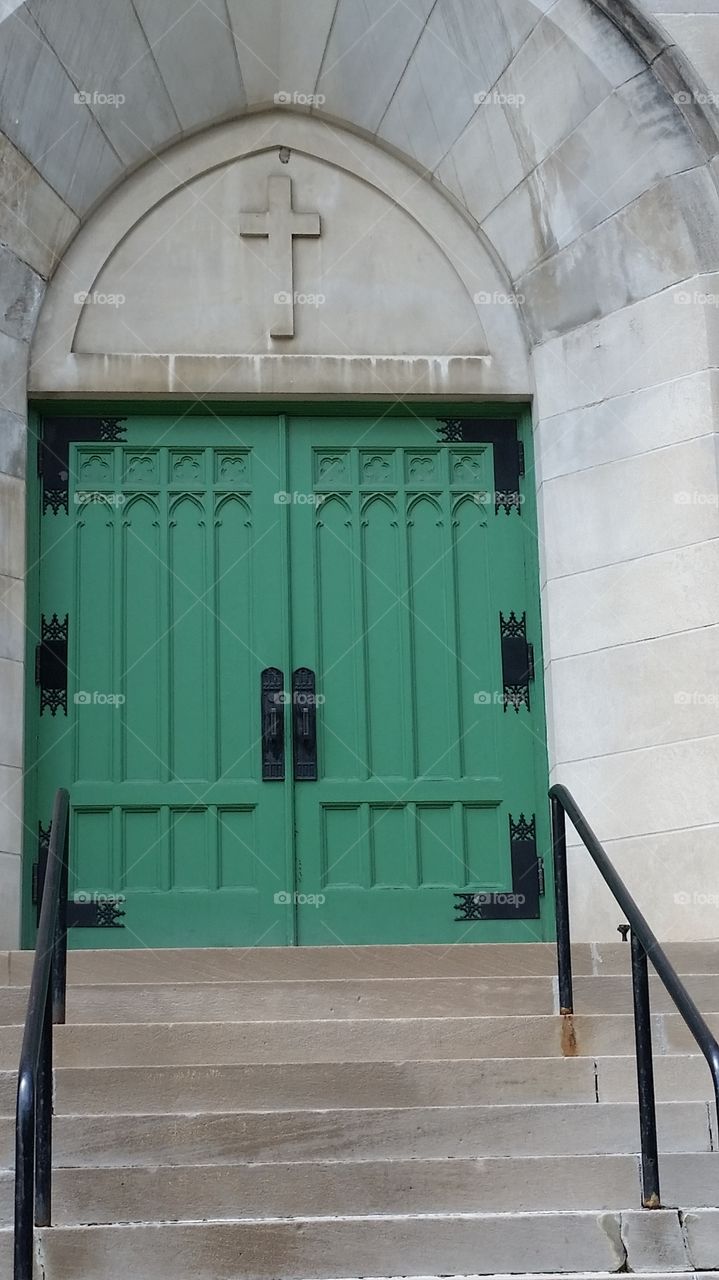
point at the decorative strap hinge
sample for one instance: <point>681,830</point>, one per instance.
<point>84,910</point>
<point>507,448</point>
<point>96,911</point>
<point>521,902</point>
<point>53,457</point>
<point>517,661</point>
<point>51,664</point>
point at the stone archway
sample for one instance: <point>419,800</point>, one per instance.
<point>575,139</point>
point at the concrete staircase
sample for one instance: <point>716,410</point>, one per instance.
<point>357,1112</point>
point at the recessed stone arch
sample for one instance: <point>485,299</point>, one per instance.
<point>593,199</point>
<point>400,295</point>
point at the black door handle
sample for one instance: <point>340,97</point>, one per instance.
<point>304,725</point>
<point>272,712</point>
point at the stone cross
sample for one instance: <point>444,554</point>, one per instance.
<point>280,224</point>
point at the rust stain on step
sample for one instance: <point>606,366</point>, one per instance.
<point>570,1048</point>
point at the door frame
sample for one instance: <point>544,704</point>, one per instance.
<point>520,412</point>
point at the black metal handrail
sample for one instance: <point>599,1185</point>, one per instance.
<point>46,1006</point>
<point>644,946</point>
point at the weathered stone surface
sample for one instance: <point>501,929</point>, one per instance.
<point>652,596</point>
<point>682,1076</point>
<point>522,120</point>
<point>160,1158</point>
<point>13,444</point>
<point>630,508</point>
<point>280,46</point>
<point>105,52</point>
<point>342,1040</point>
<point>39,114</point>
<point>11,815</point>
<point>34,221</point>
<point>661,789</point>
<point>664,690</point>
<point>10,871</point>
<point>411,1133</point>
<point>362,52</point>
<point>385,1040</point>
<point>654,1240</point>
<point>697,32</point>
<point>583,182</point>
<point>428,123</point>
<point>14,358</point>
<point>11,696</point>
<point>290,1001</point>
<point>21,292</point>
<point>276,1087</point>
<point>636,253</point>
<point>661,338</point>
<point>196,58</point>
<point>446,1245</point>
<point>702,1236</point>
<point>353,1187</point>
<point>270,964</point>
<point>625,426</point>
<point>12,531</point>
<point>12,630</point>
<point>296,1000</point>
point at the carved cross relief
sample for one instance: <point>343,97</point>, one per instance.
<point>279,225</point>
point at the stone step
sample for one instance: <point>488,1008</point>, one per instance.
<point>347,998</point>
<point>390,1245</point>
<point>407,1133</point>
<point>345,1040</point>
<point>283,1086</point>
<point>271,963</point>
<point>220,1192</point>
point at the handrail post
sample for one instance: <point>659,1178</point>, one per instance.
<point>561,898</point>
<point>59,960</point>
<point>651,1198</point>
<point>24,1180</point>
<point>46,1005</point>
<point>43,1121</point>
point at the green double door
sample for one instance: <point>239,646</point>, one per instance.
<point>299,702</point>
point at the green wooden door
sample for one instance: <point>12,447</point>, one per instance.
<point>192,554</point>
<point>400,570</point>
<point>163,562</point>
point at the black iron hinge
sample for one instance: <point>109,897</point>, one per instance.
<point>508,450</point>
<point>53,460</point>
<point>517,661</point>
<point>96,911</point>
<point>84,910</point>
<point>521,902</point>
<point>51,664</point>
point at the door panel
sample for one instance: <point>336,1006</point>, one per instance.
<point>168,552</point>
<point>401,565</point>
